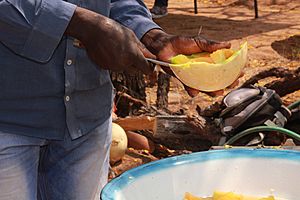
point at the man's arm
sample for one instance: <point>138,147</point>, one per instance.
<point>134,15</point>
<point>33,29</point>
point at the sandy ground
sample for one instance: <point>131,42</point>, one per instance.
<point>274,38</point>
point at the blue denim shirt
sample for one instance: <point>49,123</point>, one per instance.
<point>47,83</point>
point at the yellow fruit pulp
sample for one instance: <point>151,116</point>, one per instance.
<point>225,196</point>
<point>218,56</point>
<point>210,71</point>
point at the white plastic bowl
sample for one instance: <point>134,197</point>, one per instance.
<point>258,172</point>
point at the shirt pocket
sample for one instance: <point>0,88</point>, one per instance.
<point>89,75</point>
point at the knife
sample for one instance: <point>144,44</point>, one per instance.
<point>165,64</point>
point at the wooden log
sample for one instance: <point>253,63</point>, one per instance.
<point>185,132</point>
<point>166,125</point>
<point>163,87</point>
<point>175,132</point>
<point>136,123</point>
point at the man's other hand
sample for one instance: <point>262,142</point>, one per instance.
<point>165,46</point>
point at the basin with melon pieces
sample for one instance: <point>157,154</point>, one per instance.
<point>210,71</point>
<point>229,174</point>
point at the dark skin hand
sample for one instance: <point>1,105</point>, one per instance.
<point>115,47</point>
<point>108,43</point>
<point>165,46</point>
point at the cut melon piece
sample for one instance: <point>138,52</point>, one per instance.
<point>218,56</point>
<point>189,196</point>
<point>228,53</point>
<point>218,195</point>
<point>221,55</point>
<point>202,59</point>
<point>226,196</point>
<point>207,76</point>
<point>268,198</point>
<point>180,59</point>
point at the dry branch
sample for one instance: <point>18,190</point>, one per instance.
<point>185,132</point>
<point>132,99</point>
<point>278,72</point>
<point>289,81</point>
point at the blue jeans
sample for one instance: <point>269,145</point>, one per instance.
<point>33,168</point>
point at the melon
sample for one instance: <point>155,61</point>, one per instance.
<point>189,196</point>
<point>118,144</point>
<point>218,195</point>
<point>226,196</point>
<point>210,72</point>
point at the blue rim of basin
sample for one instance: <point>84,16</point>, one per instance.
<point>115,185</point>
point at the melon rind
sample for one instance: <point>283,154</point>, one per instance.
<point>210,77</point>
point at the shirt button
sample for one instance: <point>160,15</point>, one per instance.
<point>69,62</point>
<point>67,84</point>
<point>67,98</point>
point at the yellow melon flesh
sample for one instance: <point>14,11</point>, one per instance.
<point>221,55</point>
<point>218,56</point>
<point>202,59</point>
<point>189,196</point>
<point>180,59</point>
<point>268,198</point>
<point>228,53</point>
<point>211,73</point>
<point>218,195</point>
<point>199,57</point>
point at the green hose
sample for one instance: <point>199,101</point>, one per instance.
<point>263,128</point>
<point>294,105</point>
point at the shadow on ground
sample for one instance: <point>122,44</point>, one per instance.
<point>217,28</point>
<point>288,48</point>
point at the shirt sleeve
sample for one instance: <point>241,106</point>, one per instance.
<point>34,28</point>
<point>134,15</point>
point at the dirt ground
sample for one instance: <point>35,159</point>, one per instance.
<point>273,38</point>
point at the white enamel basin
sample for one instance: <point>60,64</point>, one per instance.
<point>258,172</point>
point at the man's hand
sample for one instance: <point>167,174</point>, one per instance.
<point>165,46</point>
<point>109,44</point>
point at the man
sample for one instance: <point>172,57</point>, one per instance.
<point>56,94</point>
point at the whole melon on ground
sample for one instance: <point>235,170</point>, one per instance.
<point>119,143</point>
<point>210,72</point>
